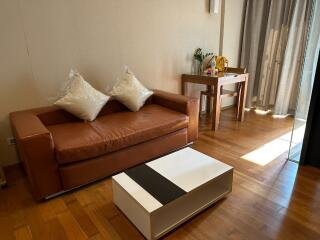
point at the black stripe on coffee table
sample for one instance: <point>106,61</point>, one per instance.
<point>154,183</point>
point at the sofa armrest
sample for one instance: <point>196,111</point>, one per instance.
<point>36,150</point>
<point>183,104</point>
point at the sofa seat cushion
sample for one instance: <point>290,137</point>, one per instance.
<point>76,141</point>
<point>125,129</point>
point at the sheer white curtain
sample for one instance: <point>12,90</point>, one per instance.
<point>310,65</point>
<point>272,49</point>
<point>292,62</point>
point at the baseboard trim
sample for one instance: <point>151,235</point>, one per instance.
<point>228,107</point>
<point>222,108</point>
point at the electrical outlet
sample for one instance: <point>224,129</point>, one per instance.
<point>11,141</point>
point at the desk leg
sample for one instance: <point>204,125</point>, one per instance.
<point>243,94</point>
<point>208,99</point>
<point>239,86</point>
<point>183,87</point>
<point>216,108</point>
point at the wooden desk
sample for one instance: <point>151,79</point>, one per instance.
<point>217,82</point>
<point>2,178</point>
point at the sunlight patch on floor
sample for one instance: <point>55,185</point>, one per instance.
<point>272,150</point>
<point>280,116</point>
<point>262,112</point>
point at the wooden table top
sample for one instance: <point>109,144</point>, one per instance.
<point>221,78</point>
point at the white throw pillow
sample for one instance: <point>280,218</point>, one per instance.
<point>130,92</point>
<point>81,99</point>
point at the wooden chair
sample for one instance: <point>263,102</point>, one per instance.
<point>224,92</point>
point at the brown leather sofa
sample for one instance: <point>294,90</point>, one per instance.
<point>60,152</point>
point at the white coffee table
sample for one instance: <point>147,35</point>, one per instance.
<point>162,194</point>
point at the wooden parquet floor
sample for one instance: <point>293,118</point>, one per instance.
<point>275,201</point>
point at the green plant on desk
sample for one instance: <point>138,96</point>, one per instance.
<point>200,57</point>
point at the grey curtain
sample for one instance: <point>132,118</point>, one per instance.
<point>273,44</point>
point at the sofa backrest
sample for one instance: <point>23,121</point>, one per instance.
<point>112,106</point>
<point>53,115</point>
<point>56,116</point>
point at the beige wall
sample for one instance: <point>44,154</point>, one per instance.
<point>231,37</point>
<point>42,39</point>
<point>232,30</point>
